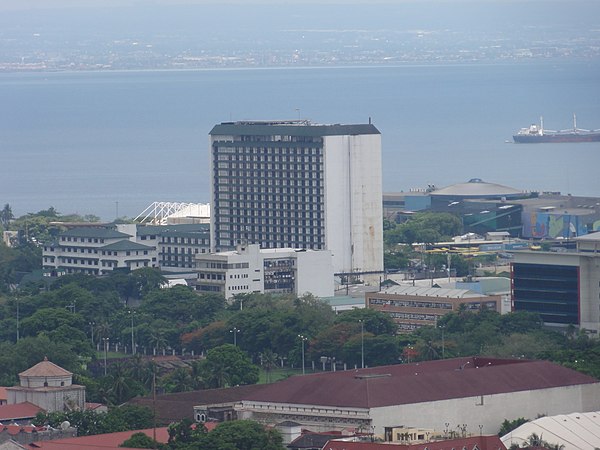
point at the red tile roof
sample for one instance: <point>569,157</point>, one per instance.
<point>175,407</point>
<point>16,429</point>
<point>99,441</point>
<point>45,369</point>
<point>420,382</point>
<point>24,410</point>
<point>482,443</point>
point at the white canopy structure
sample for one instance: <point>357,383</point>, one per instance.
<point>164,213</point>
<point>576,431</point>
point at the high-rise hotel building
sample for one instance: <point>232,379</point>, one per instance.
<point>300,185</point>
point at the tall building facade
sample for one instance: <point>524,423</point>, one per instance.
<point>300,185</point>
<point>563,287</point>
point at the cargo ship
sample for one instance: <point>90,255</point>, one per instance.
<point>537,134</point>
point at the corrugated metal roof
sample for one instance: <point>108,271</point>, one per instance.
<point>469,443</point>
<point>23,410</point>
<point>589,237</point>
<point>101,441</point>
<point>419,382</point>
<point>430,292</point>
<point>477,188</point>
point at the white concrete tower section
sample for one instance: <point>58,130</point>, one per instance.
<point>353,202</point>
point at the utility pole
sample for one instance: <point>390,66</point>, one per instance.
<point>17,299</point>
<point>362,343</point>
<point>106,344</point>
<point>303,339</point>
<point>132,337</point>
<point>235,331</point>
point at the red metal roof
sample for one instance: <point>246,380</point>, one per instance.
<point>100,441</point>
<point>419,382</point>
<point>469,443</point>
<point>16,429</point>
<point>18,411</point>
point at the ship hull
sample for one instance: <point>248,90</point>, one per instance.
<point>556,138</point>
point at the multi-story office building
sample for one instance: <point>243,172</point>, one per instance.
<point>273,271</point>
<point>178,245</point>
<point>414,307</point>
<point>563,286</point>
<point>96,250</point>
<point>299,185</point>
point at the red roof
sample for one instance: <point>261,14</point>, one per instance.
<point>16,429</point>
<point>419,382</point>
<point>482,443</point>
<point>18,411</point>
<point>45,368</point>
<point>100,441</point>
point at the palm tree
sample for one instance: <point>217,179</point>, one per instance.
<point>181,380</point>
<point>269,361</point>
<point>157,340</point>
<point>119,386</point>
<point>140,370</point>
<point>6,216</point>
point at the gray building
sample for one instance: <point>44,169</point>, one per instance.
<point>293,184</point>
<point>563,286</point>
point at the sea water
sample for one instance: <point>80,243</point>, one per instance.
<point>110,143</point>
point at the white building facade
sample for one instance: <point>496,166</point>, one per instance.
<point>277,271</point>
<point>293,184</point>
<point>48,386</point>
<point>96,251</point>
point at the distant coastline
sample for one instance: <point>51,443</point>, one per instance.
<point>333,66</point>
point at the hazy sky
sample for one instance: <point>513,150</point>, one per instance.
<point>44,4</point>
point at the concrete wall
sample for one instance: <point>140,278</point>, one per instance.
<point>51,400</point>
<point>353,202</point>
<point>490,410</point>
<point>314,273</point>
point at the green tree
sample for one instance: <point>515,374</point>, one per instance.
<point>123,418</point>
<point>374,322</point>
<point>268,360</point>
<point>241,435</point>
<point>6,216</point>
<point>141,440</point>
<point>509,425</point>
<point>227,365</point>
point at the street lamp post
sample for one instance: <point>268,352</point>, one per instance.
<point>303,339</point>
<point>132,337</point>
<point>92,329</point>
<point>17,299</point>
<point>106,343</point>
<point>443,343</point>
<point>362,343</point>
<point>235,331</point>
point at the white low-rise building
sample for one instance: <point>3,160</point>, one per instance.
<point>96,251</point>
<point>252,269</point>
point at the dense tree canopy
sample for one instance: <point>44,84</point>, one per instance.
<point>424,227</point>
<point>121,418</point>
<point>226,366</point>
<point>232,435</point>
